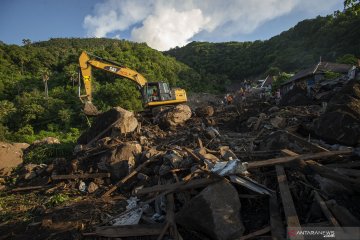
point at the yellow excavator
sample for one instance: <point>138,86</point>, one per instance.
<point>154,94</point>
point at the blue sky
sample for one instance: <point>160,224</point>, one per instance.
<point>160,23</point>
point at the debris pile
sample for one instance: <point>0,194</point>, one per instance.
<point>211,172</point>
<point>341,121</point>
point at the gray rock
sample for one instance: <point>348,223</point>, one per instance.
<point>215,212</point>
<point>278,122</point>
<point>121,160</point>
<point>92,187</point>
<point>125,123</point>
<point>174,116</point>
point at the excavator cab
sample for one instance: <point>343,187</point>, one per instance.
<point>156,91</point>
<point>159,93</point>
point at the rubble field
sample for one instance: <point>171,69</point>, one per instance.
<point>243,171</point>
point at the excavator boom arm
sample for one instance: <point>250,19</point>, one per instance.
<point>86,64</point>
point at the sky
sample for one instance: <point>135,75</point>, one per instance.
<point>162,24</point>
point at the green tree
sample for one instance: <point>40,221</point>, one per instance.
<point>26,41</point>
<point>347,59</point>
<point>280,79</point>
<point>65,116</point>
<point>353,6</point>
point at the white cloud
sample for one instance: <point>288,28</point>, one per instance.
<point>163,24</point>
<point>116,15</point>
<point>170,28</point>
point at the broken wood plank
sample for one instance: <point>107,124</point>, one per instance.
<point>170,216</point>
<point>277,227</point>
<point>133,173</point>
<point>21,189</point>
<point>325,210</point>
<point>305,143</point>
<point>333,175</point>
<point>292,219</point>
<point>256,233</point>
<point>342,214</point>
<point>192,154</point>
<point>80,176</point>
<point>129,230</point>
<point>327,172</point>
<point>301,164</point>
<point>181,186</point>
<point>281,160</point>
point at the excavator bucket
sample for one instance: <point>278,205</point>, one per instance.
<point>90,109</point>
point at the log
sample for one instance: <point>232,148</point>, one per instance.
<point>281,160</point>
<point>129,230</point>
<point>80,176</point>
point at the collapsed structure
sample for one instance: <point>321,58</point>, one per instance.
<point>212,172</point>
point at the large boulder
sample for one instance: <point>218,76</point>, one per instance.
<point>296,97</point>
<point>174,116</point>
<point>215,212</point>
<point>121,160</point>
<point>341,121</point>
<point>338,127</point>
<point>11,156</point>
<point>125,123</point>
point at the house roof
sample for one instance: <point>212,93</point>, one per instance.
<point>321,67</point>
<point>268,81</point>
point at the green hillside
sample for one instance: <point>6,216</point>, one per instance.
<point>24,108</point>
<point>27,113</point>
<point>329,37</point>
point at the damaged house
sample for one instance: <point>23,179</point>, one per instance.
<point>322,74</point>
